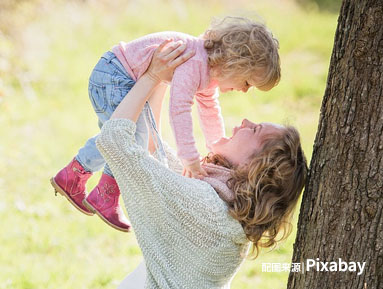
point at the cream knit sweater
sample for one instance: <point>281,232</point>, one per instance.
<point>182,226</point>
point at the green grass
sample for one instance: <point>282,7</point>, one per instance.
<point>45,243</point>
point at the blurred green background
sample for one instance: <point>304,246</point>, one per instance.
<point>47,51</point>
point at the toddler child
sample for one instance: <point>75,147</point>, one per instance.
<point>233,54</point>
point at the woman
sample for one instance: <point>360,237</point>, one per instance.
<point>196,233</point>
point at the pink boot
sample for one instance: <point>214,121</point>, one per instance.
<point>70,182</point>
<point>104,201</point>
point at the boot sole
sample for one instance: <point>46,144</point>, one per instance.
<point>92,209</point>
<point>58,189</point>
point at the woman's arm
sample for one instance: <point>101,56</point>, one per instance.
<point>156,100</point>
<point>133,103</point>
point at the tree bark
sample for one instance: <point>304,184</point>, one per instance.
<point>341,211</point>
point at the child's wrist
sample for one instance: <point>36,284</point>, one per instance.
<point>189,162</point>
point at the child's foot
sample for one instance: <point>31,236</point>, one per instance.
<point>70,182</point>
<point>104,201</point>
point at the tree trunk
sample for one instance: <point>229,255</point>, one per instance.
<point>341,213</point>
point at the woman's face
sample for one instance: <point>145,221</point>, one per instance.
<point>247,139</point>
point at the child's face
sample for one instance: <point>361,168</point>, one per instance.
<point>226,84</point>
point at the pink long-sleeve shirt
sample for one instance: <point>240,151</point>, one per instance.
<point>191,80</point>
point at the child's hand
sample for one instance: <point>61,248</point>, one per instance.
<point>194,170</point>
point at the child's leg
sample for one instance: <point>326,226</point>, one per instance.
<point>89,156</point>
<point>104,198</point>
<point>108,85</point>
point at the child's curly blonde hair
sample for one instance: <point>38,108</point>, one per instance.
<point>238,46</point>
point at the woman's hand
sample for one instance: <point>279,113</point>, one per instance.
<point>166,58</point>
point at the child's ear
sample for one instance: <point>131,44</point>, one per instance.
<point>216,71</point>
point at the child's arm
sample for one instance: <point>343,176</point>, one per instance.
<point>209,112</point>
<point>185,82</point>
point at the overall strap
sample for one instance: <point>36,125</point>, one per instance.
<point>151,123</point>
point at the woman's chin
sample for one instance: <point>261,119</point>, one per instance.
<point>222,140</point>
<point>219,144</point>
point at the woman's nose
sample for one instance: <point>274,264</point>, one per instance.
<point>245,122</point>
<point>245,89</point>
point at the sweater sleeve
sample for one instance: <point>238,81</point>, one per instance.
<point>209,112</point>
<point>155,196</point>
<point>184,231</point>
<point>185,83</point>
<point>173,161</point>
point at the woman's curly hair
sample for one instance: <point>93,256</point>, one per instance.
<point>240,47</point>
<point>268,188</point>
